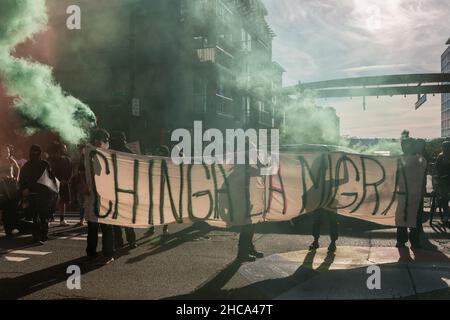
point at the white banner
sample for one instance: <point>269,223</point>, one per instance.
<point>140,191</point>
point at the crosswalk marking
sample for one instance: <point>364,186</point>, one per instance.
<point>78,238</point>
<point>28,252</point>
<point>16,259</point>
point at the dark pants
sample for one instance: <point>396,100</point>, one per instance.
<point>107,239</point>
<point>444,190</point>
<point>40,209</point>
<point>10,217</point>
<point>414,233</point>
<point>129,234</point>
<point>318,217</point>
<point>246,239</point>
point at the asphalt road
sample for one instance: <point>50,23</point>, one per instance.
<point>193,262</point>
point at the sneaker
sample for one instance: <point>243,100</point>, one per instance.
<point>133,245</point>
<point>313,246</point>
<point>104,261</point>
<point>256,254</point>
<point>63,223</point>
<point>246,258</point>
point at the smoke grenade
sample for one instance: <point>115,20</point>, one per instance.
<point>39,101</point>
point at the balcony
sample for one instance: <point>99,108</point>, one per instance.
<point>215,55</point>
<point>203,10</point>
<point>224,106</point>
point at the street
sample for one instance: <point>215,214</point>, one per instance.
<point>198,262</point>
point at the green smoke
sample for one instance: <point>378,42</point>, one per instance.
<point>40,102</point>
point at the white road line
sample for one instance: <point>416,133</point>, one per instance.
<point>28,252</point>
<point>15,259</point>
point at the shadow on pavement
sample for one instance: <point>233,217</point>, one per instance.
<point>173,240</point>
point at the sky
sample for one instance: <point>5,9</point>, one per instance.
<point>328,39</point>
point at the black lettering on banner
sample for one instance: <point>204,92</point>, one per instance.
<point>318,180</point>
<point>92,154</point>
<point>199,194</point>
<point>277,189</point>
<point>117,189</point>
<point>225,189</point>
<point>165,179</point>
<point>399,171</point>
<point>370,184</point>
<point>338,182</point>
<point>330,183</point>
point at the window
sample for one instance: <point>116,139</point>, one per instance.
<point>223,13</point>
<point>246,40</point>
<point>200,89</point>
<point>245,108</point>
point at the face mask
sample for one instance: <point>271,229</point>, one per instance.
<point>104,145</point>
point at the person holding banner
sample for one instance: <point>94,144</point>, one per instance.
<point>411,147</point>
<point>119,143</point>
<point>36,184</point>
<point>100,138</point>
<point>443,170</point>
<point>318,218</point>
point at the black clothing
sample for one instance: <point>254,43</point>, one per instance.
<point>246,240</point>
<point>332,217</point>
<point>62,168</point>
<point>41,198</point>
<point>129,234</point>
<point>119,145</point>
<point>414,233</point>
<point>107,239</point>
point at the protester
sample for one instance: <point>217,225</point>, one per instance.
<point>78,185</point>
<point>411,147</point>
<point>443,171</point>
<point>62,168</point>
<point>162,151</point>
<point>38,194</point>
<point>100,139</point>
<point>318,217</point>
<point>119,143</point>
<point>9,171</point>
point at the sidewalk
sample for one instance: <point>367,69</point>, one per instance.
<point>343,275</point>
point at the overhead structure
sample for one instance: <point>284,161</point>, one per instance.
<point>388,85</point>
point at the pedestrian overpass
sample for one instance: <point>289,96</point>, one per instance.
<point>375,86</point>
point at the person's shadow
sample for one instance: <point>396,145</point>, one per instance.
<point>213,288</point>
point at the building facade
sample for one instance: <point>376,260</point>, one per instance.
<point>445,103</point>
<point>150,67</point>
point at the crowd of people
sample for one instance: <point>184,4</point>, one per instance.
<point>28,202</point>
